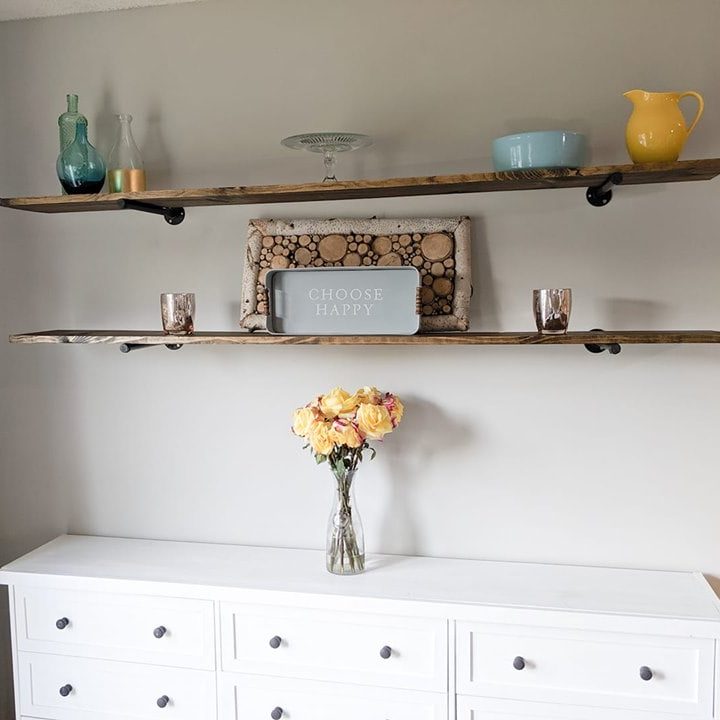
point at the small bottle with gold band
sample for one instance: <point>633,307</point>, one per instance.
<point>126,172</point>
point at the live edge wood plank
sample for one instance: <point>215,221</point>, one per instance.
<point>634,337</point>
<point>682,171</point>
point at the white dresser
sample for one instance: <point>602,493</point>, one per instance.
<point>107,628</point>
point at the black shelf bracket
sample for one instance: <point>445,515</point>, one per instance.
<point>131,347</point>
<point>172,215</point>
<point>596,348</point>
<point>601,195</point>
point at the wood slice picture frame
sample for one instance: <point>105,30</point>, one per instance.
<point>438,247</point>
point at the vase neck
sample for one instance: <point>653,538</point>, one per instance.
<point>72,103</point>
<point>345,478</point>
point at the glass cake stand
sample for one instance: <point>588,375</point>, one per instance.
<point>329,144</point>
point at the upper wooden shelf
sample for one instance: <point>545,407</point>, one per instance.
<point>590,177</point>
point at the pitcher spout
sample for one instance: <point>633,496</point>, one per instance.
<point>634,95</point>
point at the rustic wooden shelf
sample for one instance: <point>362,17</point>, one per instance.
<point>163,201</point>
<point>136,338</point>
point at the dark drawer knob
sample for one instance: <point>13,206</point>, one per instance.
<point>275,642</point>
<point>519,663</point>
<point>65,690</point>
<point>159,631</point>
<point>646,673</point>
<point>385,652</point>
<point>62,623</point>
<point>277,713</point>
<point>163,701</point>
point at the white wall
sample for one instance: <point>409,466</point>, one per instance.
<point>547,454</point>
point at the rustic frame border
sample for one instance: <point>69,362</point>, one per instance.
<point>459,227</point>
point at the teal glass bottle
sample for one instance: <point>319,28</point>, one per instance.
<point>80,167</point>
<point>68,120</point>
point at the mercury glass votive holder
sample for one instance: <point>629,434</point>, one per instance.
<point>552,310</point>
<point>178,313</point>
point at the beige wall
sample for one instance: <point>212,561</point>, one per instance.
<point>547,454</point>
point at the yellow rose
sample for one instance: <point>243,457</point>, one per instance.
<point>365,394</point>
<point>332,403</point>
<point>374,421</point>
<point>344,432</point>
<point>319,438</point>
<point>395,408</point>
<point>303,419</point>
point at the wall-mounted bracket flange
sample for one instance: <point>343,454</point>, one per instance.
<point>612,348</point>
<point>172,215</point>
<point>601,195</point>
<point>131,347</point>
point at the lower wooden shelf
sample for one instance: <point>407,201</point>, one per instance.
<point>134,338</point>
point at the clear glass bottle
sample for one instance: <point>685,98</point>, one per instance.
<point>80,167</point>
<point>126,172</point>
<point>68,120</point>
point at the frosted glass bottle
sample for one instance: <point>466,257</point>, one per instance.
<point>126,172</point>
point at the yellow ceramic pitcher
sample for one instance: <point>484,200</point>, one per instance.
<point>656,130</point>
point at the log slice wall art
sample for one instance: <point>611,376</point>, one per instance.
<point>438,247</point>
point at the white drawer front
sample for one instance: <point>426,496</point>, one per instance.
<point>340,647</point>
<point>117,627</point>
<point>104,690</point>
<point>586,668</point>
<point>249,699</point>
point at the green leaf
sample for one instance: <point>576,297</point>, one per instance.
<point>320,458</point>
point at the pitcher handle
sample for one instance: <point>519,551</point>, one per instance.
<point>701,107</point>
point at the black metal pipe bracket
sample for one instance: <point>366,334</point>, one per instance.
<point>131,347</point>
<point>172,215</point>
<point>596,348</point>
<point>601,195</point>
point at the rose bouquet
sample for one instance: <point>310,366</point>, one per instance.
<point>338,428</point>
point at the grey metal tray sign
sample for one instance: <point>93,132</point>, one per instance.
<point>437,248</point>
<point>347,301</point>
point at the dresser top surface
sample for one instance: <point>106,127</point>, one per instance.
<point>388,577</point>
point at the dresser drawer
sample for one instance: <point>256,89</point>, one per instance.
<point>117,627</point>
<point>105,690</point>
<point>586,668</point>
<point>342,647</point>
<point>263,698</point>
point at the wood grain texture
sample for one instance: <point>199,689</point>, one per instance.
<point>624,337</point>
<point>682,171</point>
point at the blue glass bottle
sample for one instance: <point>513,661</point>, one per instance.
<point>80,168</point>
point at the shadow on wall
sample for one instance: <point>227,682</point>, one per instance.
<point>643,313</point>
<point>428,431</point>
<point>483,304</point>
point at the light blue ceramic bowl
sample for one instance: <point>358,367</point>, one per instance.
<point>535,150</point>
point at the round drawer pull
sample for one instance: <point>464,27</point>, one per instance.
<point>159,631</point>
<point>519,663</point>
<point>275,642</point>
<point>646,673</point>
<point>385,652</point>
<point>277,713</point>
<point>163,701</point>
<point>62,623</point>
<point>65,690</point>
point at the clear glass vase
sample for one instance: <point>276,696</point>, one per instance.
<point>345,548</point>
<point>126,172</point>
<point>80,167</point>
